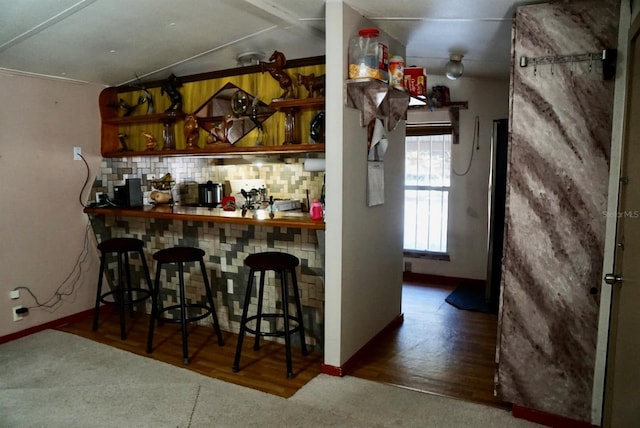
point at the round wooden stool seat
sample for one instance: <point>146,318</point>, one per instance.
<point>117,245</point>
<point>179,255</point>
<point>271,260</point>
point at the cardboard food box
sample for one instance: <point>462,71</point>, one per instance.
<point>415,81</point>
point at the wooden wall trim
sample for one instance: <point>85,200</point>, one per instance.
<point>49,325</point>
<point>352,362</point>
<point>547,419</point>
<point>425,278</point>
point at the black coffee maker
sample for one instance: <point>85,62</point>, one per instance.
<point>210,194</point>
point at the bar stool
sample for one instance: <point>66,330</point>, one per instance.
<point>123,292</point>
<point>179,256</point>
<point>281,263</point>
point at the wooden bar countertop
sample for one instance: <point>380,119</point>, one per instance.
<point>294,219</point>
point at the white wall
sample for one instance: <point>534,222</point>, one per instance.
<point>42,225</point>
<point>468,198</point>
<point>364,244</point>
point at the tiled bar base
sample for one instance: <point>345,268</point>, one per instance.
<point>226,246</point>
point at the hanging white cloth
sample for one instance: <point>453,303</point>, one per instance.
<point>379,142</point>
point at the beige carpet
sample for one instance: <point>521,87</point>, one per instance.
<point>55,379</point>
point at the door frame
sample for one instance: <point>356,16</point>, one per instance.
<point>618,131</point>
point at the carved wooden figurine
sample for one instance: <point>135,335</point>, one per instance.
<point>147,98</point>
<point>312,83</point>
<point>123,142</point>
<point>191,131</point>
<point>171,88</point>
<point>276,70</point>
<point>151,140</point>
<point>126,108</point>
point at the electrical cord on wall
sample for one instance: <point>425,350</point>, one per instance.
<point>476,142</point>
<point>104,202</point>
<point>70,284</point>
<point>86,181</point>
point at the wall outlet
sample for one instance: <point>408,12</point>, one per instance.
<point>77,152</point>
<point>16,316</point>
<point>14,294</point>
<point>407,266</point>
<point>229,286</point>
<point>98,197</point>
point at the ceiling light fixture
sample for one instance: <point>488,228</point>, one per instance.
<point>454,67</point>
<point>249,58</point>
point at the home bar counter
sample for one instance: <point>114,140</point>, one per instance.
<point>259,217</point>
<point>227,238</point>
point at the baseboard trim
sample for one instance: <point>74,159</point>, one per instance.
<point>51,324</point>
<point>331,370</point>
<point>352,362</point>
<point>548,419</point>
<point>426,278</point>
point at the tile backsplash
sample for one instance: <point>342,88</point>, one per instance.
<point>285,178</point>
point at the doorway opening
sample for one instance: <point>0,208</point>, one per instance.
<point>439,349</point>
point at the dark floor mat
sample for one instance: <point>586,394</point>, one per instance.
<point>470,297</point>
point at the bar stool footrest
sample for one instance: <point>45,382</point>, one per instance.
<point>188,306</point>
<point>271,333</point>
<point>144,295</point>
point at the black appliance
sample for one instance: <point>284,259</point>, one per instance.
<point>210,194</point>
<point>129,195</point>
<point>497,201</point>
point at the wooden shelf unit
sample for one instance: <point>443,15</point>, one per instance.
<point>113,124</point>
<point>225,151</point>
<point>291,108</point>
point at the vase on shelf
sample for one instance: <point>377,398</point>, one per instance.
<point>168,136</point>
<point>290,136</point>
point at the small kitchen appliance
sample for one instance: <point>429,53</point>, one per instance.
<point>210,194</point>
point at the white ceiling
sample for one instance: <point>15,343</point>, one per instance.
<point>112,41</point>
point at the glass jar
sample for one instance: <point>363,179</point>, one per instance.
<point>368,56</point>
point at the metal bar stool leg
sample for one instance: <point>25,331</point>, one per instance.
<point>96,309</point>
<point>145,269</point>
<point>155,305</point>
<point>129,286</point>
<point>256,340</point>
<point>243,321</point>
<point>207,289</point>
<point>183,315</point>
<point>120,296</point>
<point>285,313</point>
<point>296,295</point>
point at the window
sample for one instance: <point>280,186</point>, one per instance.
<point>426,188</point>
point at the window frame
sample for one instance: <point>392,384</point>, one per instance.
<point>419,130</point>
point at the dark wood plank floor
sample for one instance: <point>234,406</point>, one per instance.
<point>438,349</point>
<point>263,370</point>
